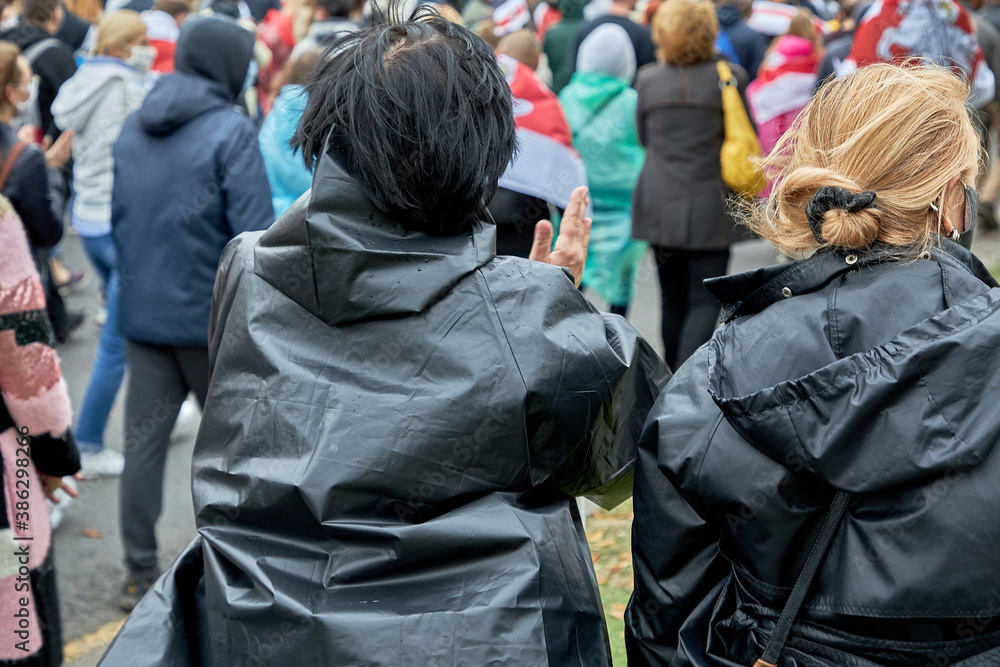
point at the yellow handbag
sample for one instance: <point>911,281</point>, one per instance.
<point>740,145</point>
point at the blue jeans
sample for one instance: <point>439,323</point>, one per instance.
<point>109,365</point>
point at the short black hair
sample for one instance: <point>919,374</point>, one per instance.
<point>423,113</point>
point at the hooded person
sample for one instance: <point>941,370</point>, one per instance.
<point>600,107</point>
<point>748,45</point>
<point>94,103</point>
<point>817,486</point>
<point>188,177</point>
<point>399,420</point>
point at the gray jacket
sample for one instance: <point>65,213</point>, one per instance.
<point>680,200</point>
<point>94,103</point>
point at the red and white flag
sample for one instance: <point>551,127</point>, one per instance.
<point>545,165</point>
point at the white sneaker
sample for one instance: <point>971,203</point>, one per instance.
<point>56,510</point>
<point>106,463</point>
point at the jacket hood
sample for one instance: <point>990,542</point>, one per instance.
<point>84,91</point>
<point>594,90</point>
<point>217,49</point>
<point>793,46</point>
<point>177,99</point>
<point>343,260</point>
<point>839,421</point>
<point>729,15</point>
<point>571,9</point>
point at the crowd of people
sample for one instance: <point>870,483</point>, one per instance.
<point>331,224</point>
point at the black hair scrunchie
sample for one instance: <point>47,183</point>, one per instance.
<point>827,198</point>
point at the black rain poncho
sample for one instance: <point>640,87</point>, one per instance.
<point>873,373</point>
<point>396,427</point>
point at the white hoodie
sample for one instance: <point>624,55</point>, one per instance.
<point>94,103</point>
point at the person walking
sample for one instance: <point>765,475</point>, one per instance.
<point>600,106</point>
<point>188,177</point>
<point>36,443</point>
<point>680,203</point>
<point>830,458</point>
<point>94,103</point>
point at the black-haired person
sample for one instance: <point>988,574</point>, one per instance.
<point>188,177</point>
<point>398,420</point>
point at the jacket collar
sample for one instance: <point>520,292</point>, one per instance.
<point>913,407</point>
<point>342,259</point>
<point>753,291</point>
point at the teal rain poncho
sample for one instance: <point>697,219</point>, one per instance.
<point>601,112</point>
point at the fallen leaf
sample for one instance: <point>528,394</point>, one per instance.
<point>90,532</point>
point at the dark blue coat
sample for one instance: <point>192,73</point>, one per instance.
<point>748,44</point>
<point>188,177</point>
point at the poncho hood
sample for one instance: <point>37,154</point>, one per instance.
<point>362,265</point>
<point>838,421</point>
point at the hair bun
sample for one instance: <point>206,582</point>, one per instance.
<point>828,213</point>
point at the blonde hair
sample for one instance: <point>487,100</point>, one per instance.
<point>118,29</point>
<point>685,31</point>
<point>901,131</point>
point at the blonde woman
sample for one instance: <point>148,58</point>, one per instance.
<point>840,430</point>
<point>679,205</point>
<point>95,103</point>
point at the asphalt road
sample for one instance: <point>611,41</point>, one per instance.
<point>87,545</point>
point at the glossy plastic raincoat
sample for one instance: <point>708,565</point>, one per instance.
<point>395,429</point>
<point>873,373</point>
<point>600,110</point>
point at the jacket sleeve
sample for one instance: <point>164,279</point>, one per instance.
<point>32,388</point>
<point>675,543</point>
<point>28,190</point>
<point>245,189</point>
<point>591,381</point>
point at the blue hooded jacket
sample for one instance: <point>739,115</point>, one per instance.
<point>286,172</point>
<point>188,177</point>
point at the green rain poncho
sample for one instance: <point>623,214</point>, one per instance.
<point>601,112</point>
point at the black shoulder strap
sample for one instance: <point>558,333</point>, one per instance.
<point>802,584</point>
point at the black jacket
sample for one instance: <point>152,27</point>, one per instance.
<point>680,200</point>
<point>54,66</point>
<point>878,378</point>
<point>395,429</point>
<point>27,189</point>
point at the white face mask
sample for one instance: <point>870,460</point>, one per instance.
<point>25,106</point>
<point>142,58</point>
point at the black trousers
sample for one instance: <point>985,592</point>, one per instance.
<point>160,377</point>
<point>690,312</point>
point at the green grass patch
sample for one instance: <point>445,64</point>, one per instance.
<point>996,271</point>
<point>610,538</point>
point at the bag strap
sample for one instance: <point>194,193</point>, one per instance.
<point>8,162</point>
<point>33,52</point>
<point>802,584</point>
<point>726,77</point>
